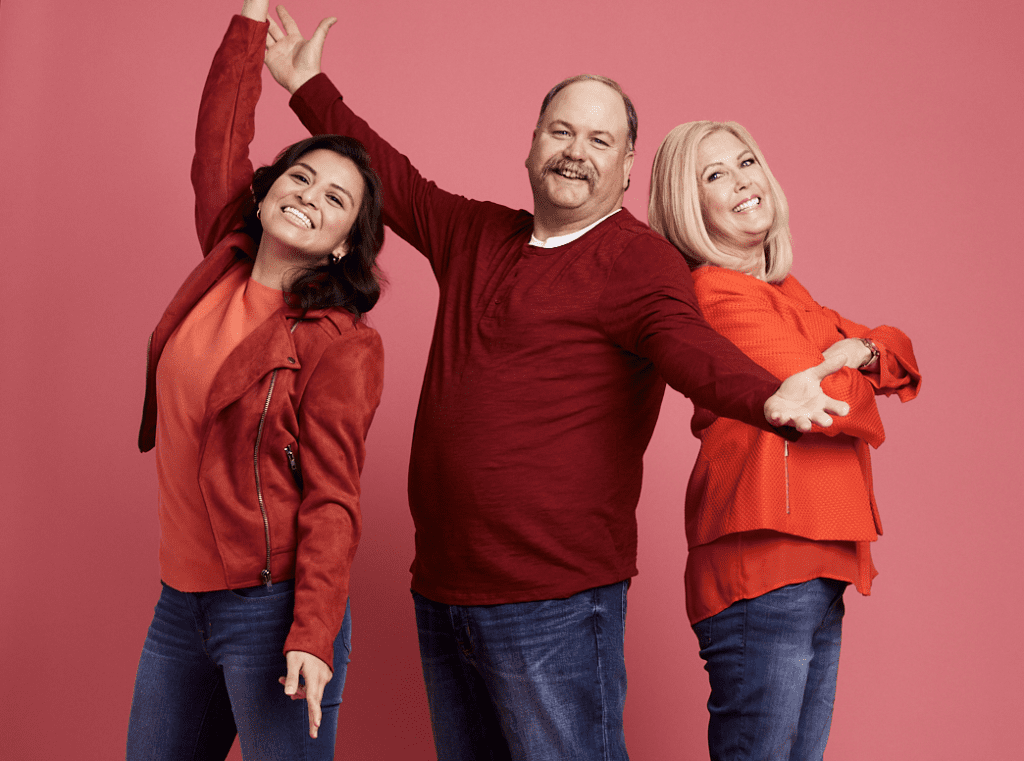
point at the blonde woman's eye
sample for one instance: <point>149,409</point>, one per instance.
<point>713,176</point>
<point>748,162</point>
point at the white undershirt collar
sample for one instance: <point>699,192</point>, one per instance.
<point>560,240</point>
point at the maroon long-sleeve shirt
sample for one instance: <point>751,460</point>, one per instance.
<point>543,384</point>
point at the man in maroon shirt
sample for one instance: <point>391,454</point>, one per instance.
<point>555,335</point>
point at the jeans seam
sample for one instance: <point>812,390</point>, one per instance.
<point>594,612</point>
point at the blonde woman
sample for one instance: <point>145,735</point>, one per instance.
<point>776,529</point>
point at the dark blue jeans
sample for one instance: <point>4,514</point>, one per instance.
<point>773,662</point>
<point>209,670</point>
<point>544,681</point>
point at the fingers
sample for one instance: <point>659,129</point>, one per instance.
<point>274,33</point>
<point>291,681</point>
<point>314,692</point>
<point>290,27</point>
<point>300,693</point>
<point>320,35</point>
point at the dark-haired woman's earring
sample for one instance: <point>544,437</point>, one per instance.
<point>257,211</point>
<point>335,258</point>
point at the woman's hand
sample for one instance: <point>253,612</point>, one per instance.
<point>256,9</point>
<point>855,351</point>
<point>292,59</point>
<point>801,403</point>
<point>316,674</point>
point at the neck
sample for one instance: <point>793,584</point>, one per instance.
<point>552,223</point>
<point>274,264</point>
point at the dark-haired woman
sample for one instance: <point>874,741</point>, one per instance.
<point>261,385</point>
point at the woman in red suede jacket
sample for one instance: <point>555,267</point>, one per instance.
<point>776,530</point>
<point>262,382</point>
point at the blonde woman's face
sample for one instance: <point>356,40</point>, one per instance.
<point>735,197</point>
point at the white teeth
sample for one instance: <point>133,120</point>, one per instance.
<point>300,216</point>
<point>748,204</point>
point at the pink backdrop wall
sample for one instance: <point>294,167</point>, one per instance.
<point>894,127</point>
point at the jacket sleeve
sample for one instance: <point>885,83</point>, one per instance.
<point>745,313</point>
<point>649,307</point>
<point>338,405</point>
<point>221,170</point>
<point>422,214</point>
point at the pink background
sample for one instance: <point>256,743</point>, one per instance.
<point>894,127</point>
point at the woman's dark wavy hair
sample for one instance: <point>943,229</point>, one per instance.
<point>354,281</point>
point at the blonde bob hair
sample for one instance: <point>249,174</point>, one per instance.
<point>675,211</point>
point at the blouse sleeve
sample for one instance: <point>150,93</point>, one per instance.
<point>785,339</point>
<point>897,365</point>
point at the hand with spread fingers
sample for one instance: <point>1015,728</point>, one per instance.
<point>292,59</point>
<point>801,403</point>
<point>315,676</point>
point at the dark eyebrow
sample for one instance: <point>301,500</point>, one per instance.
<point>312,171</point>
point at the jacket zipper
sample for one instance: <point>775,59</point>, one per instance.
<point>265,573</point>
<point>293,465</point>
<point>785,460</point>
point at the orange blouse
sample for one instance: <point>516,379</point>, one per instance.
<point>762,512</point>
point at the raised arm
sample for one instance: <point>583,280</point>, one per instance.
<point>415,208</point>
<point>221,170</point>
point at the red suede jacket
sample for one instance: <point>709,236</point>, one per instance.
<point>296,396</point>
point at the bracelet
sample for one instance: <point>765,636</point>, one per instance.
<point>871,361</point>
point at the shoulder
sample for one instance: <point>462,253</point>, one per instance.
<point>336,330</point>
<point>630,237</point>
<point>719,286</point>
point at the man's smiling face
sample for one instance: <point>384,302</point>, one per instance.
<point>579,160</point>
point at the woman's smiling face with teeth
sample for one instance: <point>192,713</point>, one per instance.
<point>735,197</point>
<point>311,208</point>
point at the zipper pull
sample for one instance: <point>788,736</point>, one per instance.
<point>265,576</point>
<point>293,466</point>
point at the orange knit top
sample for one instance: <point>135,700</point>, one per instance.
<point>233,308</point>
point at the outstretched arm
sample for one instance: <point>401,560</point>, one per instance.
<point>292,59</point>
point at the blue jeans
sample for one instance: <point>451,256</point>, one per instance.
<point>544,681</point>
<point>772,662</point>
<point>209,670</point>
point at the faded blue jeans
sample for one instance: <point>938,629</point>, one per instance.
<point>773,662</point>
<point>530,681</point>
<point>209,670</point>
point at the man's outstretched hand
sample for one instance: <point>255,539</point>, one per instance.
<point>292,59</point>
<point>800,402</point>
